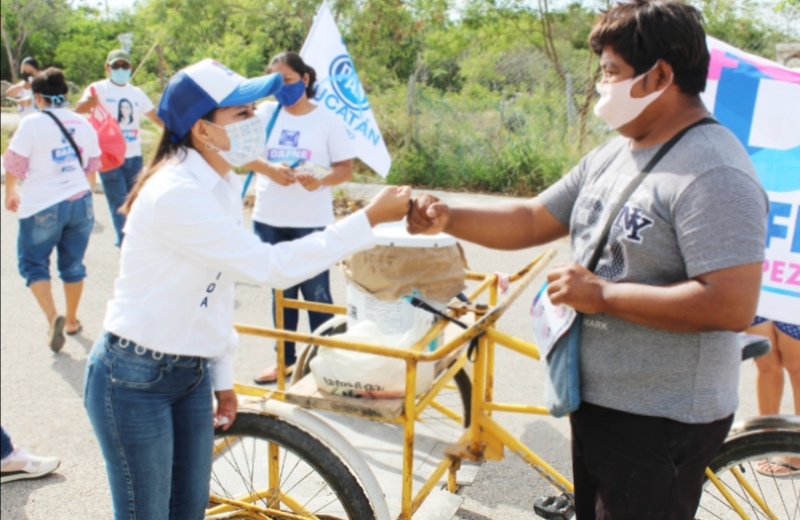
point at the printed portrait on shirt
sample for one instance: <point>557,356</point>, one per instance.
<point>126,117</point>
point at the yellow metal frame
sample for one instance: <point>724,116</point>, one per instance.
<point>484,439</point>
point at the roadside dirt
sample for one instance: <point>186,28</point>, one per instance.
<point>342,205</point>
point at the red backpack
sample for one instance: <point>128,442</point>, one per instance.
<point>112,142</point>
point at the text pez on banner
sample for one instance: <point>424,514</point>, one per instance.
<point>759,101</point>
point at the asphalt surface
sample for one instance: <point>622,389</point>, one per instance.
<point>42,392</point>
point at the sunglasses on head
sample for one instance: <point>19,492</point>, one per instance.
<point>120,65</point>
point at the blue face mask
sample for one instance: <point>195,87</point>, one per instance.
<point>120,76</point>
<point>290,94</point>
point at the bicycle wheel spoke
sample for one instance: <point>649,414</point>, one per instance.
<point>752,494</point>
<point>312,479</point>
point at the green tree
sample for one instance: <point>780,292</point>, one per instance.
<point>86,40</point>
<point>28,27</point>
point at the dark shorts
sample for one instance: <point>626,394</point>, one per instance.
<point>786,328</point>
<point>635,467</point>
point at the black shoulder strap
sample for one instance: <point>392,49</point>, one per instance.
<point>67,135</point>
<point>629,189</point>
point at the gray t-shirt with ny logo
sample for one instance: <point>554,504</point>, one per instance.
<point>700,209</point>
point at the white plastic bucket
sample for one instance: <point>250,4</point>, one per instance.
<point>399,316</point>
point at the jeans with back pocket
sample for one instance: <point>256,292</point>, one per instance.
<point>117,183</point>
<point>65,227</point>
<point>152,414</point>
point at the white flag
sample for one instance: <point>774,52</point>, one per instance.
<point>339,90</point>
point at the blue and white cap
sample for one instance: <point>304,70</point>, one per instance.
<point>200,88</point>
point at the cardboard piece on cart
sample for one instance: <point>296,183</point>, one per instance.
<point>389,273</point>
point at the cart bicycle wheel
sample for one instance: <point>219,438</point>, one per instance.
<point>457,394</point>
<point>757,495</point>
<point>311,479</point>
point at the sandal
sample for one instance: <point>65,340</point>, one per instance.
<point>57,338</point>
<point>777,468</point>
<point>77,330</point>
<point>270,375</point>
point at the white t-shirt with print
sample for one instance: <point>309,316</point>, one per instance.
<point>127,105</point>
<point>317,137</point>
<point>54,173</point>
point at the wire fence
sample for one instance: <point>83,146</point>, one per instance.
<point>514,126</point>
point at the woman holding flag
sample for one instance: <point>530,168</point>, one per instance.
<point>293,203</point>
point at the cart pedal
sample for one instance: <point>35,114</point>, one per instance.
<point>555,508</point>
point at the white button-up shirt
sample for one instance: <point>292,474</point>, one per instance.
<point>184,248</point>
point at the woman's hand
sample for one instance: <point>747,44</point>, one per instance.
<point>12,201</point>
<point>225,413</point>
<point>309,182</point>
<point>281,174</point>
<point>390,205</point>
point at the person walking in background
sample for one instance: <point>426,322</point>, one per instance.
<point>770,382</point>
<point>677,279</point>
<point>291,204</point>
<point>18,464</point>
<point>21,92</point>
<point>169,342</point>
<point>58,165</point>
<point>129,104</point>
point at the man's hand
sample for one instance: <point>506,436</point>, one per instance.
<point>87,105</point>
<point>225,413</point>
<point>427,215</point>
<point>574,285</point>
<point>92,101</point>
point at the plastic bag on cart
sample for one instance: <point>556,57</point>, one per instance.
<point>358,374</point>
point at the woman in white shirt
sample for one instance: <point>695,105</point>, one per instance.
<point>55,204</point>
<point>21,92</point>
<point>169,340</point>
<point>291,204</point>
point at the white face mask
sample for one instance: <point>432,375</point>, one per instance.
<point>247,138</point>
<point>616,105</point>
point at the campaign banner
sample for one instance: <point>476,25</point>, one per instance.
<point>339,90</point>
<point>759,101</point>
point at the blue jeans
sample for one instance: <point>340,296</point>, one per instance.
<point>153,417</point>
<point>6,448</point>
<point>316,289</point>
<point>65,227</point>
<point>117,183</point>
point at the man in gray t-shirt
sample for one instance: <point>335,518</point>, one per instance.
<point>677,279</point>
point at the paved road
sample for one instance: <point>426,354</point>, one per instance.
<point>10,119</point>
<point>42,392</point>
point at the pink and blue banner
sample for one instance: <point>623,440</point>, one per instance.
<point>759,100</point>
